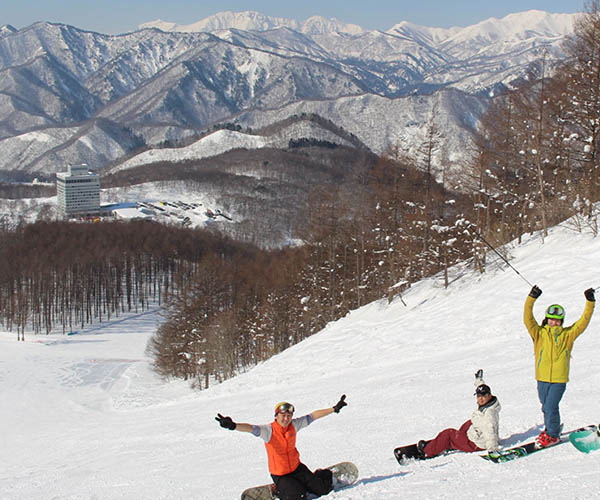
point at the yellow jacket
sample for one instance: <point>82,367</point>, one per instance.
<point>553,345</point>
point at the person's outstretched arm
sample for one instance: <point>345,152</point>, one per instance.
<point>328,411</point>
<point>227,423</point>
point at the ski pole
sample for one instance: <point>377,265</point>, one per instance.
<point>501,256</point>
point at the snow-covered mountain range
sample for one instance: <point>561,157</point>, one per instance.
<point>70,96</point>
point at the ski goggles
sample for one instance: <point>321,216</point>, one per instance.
<point>284,408</point>
<point>555,311</point>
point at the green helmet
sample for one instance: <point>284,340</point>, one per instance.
<point>555,311</point>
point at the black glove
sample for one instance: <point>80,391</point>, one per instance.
<point>340,404</point>
<point>225,422</point>
<point>589,294</point>
<point>479,373</point>
<point>535,292</point>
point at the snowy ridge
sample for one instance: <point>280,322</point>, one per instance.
<point>221,141</point>
<point>212,145</point>
<point>361,116</point>
<point>511,28</point>
<point>102,425</point>
<point>256,21</point>
<point>512,25</point>
<point>7,29</point>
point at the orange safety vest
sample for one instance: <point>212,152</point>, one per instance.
<point>281,450</point>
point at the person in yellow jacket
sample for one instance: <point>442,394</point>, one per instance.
<point>552,344</point>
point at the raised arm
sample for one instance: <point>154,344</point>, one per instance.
<point>581,324</point>
<point>328,411</point>
<point>479,378</point>
<point>530,322</point>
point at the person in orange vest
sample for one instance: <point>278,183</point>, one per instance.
<point>293,480</point>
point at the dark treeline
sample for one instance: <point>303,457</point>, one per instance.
<point>62,275</point>
<point>305,142</point>
<point>18,190</point>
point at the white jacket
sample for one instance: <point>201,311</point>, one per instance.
<point>484,426</point>
<point>485,423</point>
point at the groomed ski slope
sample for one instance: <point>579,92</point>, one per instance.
<point>84,417</point>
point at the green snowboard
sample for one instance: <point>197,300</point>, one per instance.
<point>586,441</point>
<point>344,474</point>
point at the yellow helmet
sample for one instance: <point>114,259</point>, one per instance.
<point>284,407</point>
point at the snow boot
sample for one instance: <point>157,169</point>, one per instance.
<point>421,449</point>
<point>544,440</point>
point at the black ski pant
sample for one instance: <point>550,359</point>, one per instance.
<point>295,485</point>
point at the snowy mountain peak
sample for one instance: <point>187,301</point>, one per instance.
<point>423,33</point>
<point>523,25</point>
<point>7,29</point>
<point>159,24</point>
<point>517,26</point>
<point>316,25</point>
<point>255,21</point>
<point>541,21</point>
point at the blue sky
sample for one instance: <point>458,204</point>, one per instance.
<point>119,16</point>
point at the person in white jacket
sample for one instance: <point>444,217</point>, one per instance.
<point>477,434</point>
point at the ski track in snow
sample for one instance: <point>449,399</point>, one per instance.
<point>85,417</point>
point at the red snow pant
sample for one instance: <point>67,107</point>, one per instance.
<point>451,439</point>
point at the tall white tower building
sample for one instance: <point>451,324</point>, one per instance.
<point>78,191</point>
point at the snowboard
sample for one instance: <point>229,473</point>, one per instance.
<point>586,441</point>
<point>344,474</point>
<point>526,449</point>
<point>410,451</point>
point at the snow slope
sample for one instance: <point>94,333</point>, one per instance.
<point>222,141</point>
<point>85,418</point>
